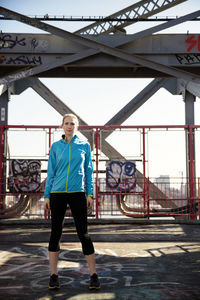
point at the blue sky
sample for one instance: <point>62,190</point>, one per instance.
<point>96,100</point>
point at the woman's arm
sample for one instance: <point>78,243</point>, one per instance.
<point>50,173</point>
<point>88,172</point>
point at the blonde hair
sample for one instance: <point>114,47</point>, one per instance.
<point>71,116</point>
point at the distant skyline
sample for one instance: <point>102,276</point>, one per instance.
<point>97,100</point>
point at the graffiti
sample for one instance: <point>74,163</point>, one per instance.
<point>34,43</point>
<point>7,41</point>
<point>21,60</point>
<point>17,76</point>
<point>121,176</point>
<point>188,59</point>
<point>25,269</point>
<point>24,176</point>
<point>39,44</point>
<point>193,41</point>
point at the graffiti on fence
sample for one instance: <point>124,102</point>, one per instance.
<point>121,175</point>
<point>24,175</point>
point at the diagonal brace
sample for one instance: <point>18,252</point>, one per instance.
<point>99,47</point>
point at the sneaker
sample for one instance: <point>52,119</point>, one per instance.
<point>54,282</point>
<point>94,282</point>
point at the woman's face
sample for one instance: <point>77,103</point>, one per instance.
<point>69,126</point>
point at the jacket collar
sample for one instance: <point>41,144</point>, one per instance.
<point>72,140</point>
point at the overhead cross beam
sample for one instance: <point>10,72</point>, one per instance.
<point>99,47</point>
<point>144,9</point>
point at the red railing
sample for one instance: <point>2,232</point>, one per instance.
<point>148,199</point>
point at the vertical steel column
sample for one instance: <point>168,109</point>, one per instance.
<point>97,171</point>
<point>1,166</point>
<point>4,98</point>
<point>190,144</point>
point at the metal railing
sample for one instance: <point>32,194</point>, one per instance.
<point>21,195</point>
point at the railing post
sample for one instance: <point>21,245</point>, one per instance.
<point>191,172</point>
<point>49,138</point>
<point>199,197</point>
<point>47,213</point>
<point>146,199</point>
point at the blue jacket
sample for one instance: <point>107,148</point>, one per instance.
<point>69,168</point>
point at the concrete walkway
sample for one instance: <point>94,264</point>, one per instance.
<point>133,261</point>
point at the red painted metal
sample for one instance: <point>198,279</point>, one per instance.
<point>144,170</point>
<point>139,203</point>
<point>191,166</point>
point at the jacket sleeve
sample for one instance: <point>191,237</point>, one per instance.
<point>88,172</point>
<point>50,172</point>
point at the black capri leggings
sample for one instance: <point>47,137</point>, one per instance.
<point>78,205</point>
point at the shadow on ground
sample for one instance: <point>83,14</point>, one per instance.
<point>133,262</point>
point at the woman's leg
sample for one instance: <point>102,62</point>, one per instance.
<point>91,263</point>
<point>78,205</point>
<point>58,204</point>
<point>53,262</point>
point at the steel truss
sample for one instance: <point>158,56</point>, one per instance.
<point>142,9</point>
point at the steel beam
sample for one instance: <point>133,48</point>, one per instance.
<point>3,88</point>
<point>142,9</point>
<point>137,102</point>
<point>189,108</point>
<point>191,87</point>
<point>51,98</point>
<point>39,69</point>
<point>97,46</point>
<point>171,85</point>
<point>4,98</point>
<point>190,120</point>
<point>19,86</point>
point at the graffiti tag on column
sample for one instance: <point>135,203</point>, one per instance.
<point>21,60</point>
<point>193,42</point>
<point>7,41</point>
<point>24,175</point>
<point>188,59</point>
<point>121,175</point>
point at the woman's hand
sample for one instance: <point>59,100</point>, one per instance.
<point>46,204</point>
<point>89,202</point>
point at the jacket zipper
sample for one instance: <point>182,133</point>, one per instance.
<point>68,165</point>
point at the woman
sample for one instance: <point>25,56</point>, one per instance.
<point>69,181</point>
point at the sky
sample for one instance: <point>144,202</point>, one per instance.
<point>97,100</point>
